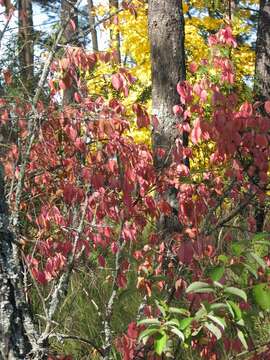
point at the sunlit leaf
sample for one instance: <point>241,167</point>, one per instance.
<point>214,330</point>
<point>235,291</point>
<point>199,287</point>
<point>261,295</point>
<point>160,343</point>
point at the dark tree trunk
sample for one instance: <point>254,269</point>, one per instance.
<point>17,334</point>
<point>68,10</point>
<point>26,43</point>
<point>262,68</point>
<point>115,36</point>
<point>166,34</point>
<point>262,78</point>
<point>92,26</point>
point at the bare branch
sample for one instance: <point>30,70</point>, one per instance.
<point>61,288</point>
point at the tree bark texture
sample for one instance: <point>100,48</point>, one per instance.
<point>262,79</point>
<point>68,10</point>
<point>115,35</point>
<point>92,26</point>
<point>262,67</point>
<point>16,327</point>
<point>166,35</point>
<point>26,42</point>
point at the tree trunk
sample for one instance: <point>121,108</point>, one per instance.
<point>26,43</point>
<point>17,334</point>
<point>262,67</point>
<point>92,26</point>
<point>262,79</point>
<point>115,35</point>
<point>166,34</point>
<point>67,8</point>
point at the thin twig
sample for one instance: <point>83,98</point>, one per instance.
<point>61,288</point>
<point>235,212</point>
<point>78,338</point>
<point>32,125</point>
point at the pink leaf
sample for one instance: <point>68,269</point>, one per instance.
<point>117,81</point>
<point>178,110</point>
<point>196,132</point>
<point>267,106</point>
<point>72,25</point>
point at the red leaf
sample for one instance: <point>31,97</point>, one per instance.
<point>101,261</point>
<point>178,110</point>
<point>70,193</point>
<point>71,132</point>
<point>165,207</point>
<point>196,132</point>
<point>132,330</point>
<point>7,76</point>
<point>77,97</point>
<point>117,81</point>
<point>185,253</point>
<point>246,109</point>
<point>267,106</point>
<point>193,67</point>
<point>143,119</point>
<point>114,247</point>
<point>62,85</point>
<point>39,276</point>
<point>72,25</point>
<point>121,280</point>
<point>261,140</point>
<point>155,122</point>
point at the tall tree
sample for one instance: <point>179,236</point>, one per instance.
<point>68,10</point>
<point>166,34</point>
<point>16,328</point>
<point>262,77</point>
<point>92,25</point>
<point>26,42</point>
<point>262,68</point>
<point>115,35</point>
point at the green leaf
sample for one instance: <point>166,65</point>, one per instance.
<point>162,308</point>
<point>216,273</point>
<point>237,292</point>
<point>197,286</point>
<point>261,295</point>
<point>184,323</point>
<point>214,330</point>
<point>251,270</point>
<point>178,333</point>
<point>180,311</point>
<point>237,269</point>
<point>223,258</point>
<point>204,290</point>
<point>241,337</point>
<point>258,259</point>
<point>241,322</point>
<point>234,310</point>
<point>218,306</point>
<point>144,335</point>
<point>149,322</point>
<point>201,313</point>
<point>237,249</point>
<point>173,322</point>
<point>218,284</point>
<point>261,236</point>
<point>196,331</point>
<point>218,320</point>
<point>263,242</point>
<point>160,343</point>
